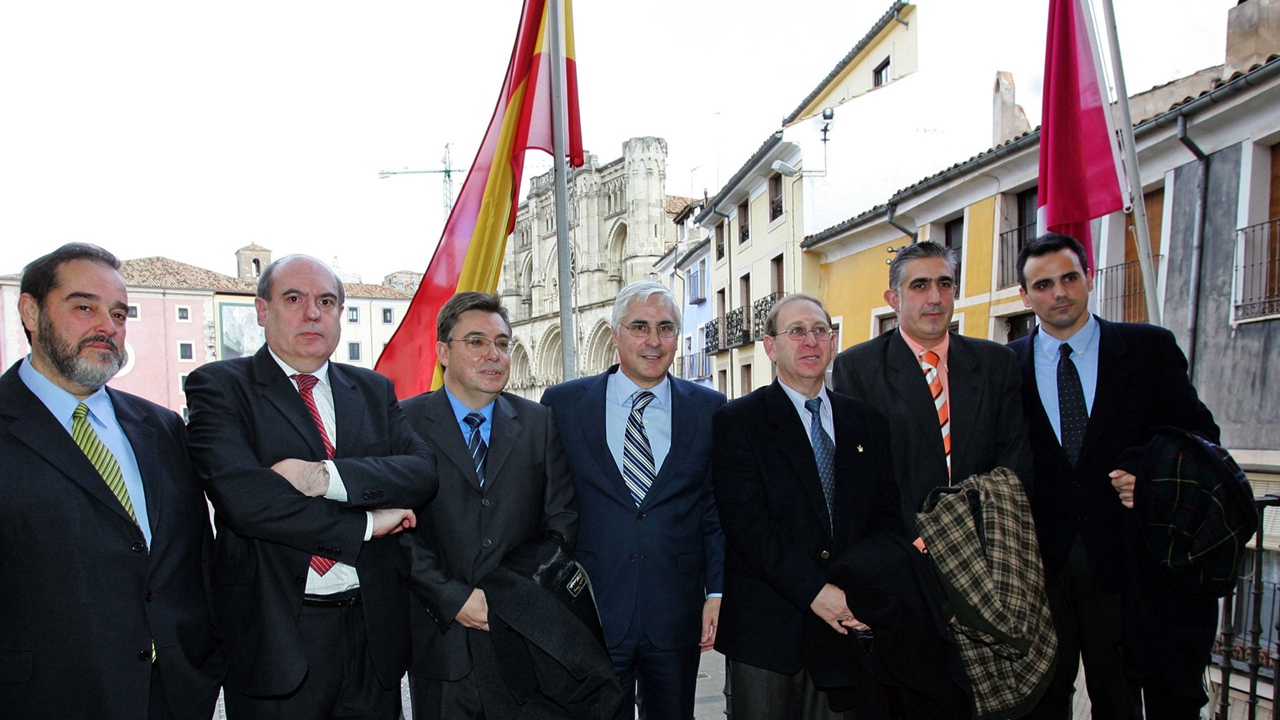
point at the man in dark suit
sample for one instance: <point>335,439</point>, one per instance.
<point>639,445</point>
<point>104,535</point>
<point>800,475</point>
<point>310,465</point>
<point>503,483</point>
<point>953,402</point>
<point>1093,390</point>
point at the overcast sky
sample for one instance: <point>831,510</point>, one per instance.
<point>192,129</point>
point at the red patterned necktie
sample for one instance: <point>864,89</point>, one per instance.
<point>929,363</point>
<point>307,383</point>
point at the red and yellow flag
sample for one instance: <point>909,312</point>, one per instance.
<point>469,256</point>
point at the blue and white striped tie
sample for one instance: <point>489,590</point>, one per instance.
<point>476,444</point>
<point>637,457</point>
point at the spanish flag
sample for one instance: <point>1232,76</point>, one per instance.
<point>469,256</point>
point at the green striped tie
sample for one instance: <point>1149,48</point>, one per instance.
<point>98,454</point>
<point>102,459</point>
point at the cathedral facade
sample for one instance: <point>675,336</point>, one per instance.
<point>620,223</point>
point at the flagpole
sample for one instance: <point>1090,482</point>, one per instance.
<point>1145,260</point>
<point>563,255</point>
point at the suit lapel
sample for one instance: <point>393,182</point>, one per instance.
<point>965,388</point>
<point>1038,424</point>
<point>446,434</point>
<point>789,431</point>
<point>37,428</point>
<point>1113,378</point>
<point>684,421</point>
<point>595,393</point>
<point>907,379</point>
<point>506,429</point>
<point>279,391</point>
<point>144,440</point>
<point>348,412</point>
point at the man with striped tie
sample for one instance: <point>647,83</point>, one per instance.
<point>503,482</point>
<point>954,402</point>
<point>104,533</point>
<point>311,468</point>
<point>639,445</point>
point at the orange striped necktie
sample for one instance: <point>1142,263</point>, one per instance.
<point>929,362</point>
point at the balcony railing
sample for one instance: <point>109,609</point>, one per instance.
<point>1258,271</point>
<point>696,366</point>
<point>1011,243</point>
<point>1121,296</point>
<point>744,234</point>
<point>760,310</point>
<point>715,336</point>
<point>775,208</point>
<point>1254,652</point>
<point>737,327</point>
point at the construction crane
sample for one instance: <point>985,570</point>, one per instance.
<point>448,172</point>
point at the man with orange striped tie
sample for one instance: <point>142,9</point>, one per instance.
<point>954,403</point>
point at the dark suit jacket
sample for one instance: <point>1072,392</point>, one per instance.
<point>987,429</point>
<point>245,417</point>
<point>467,530</point>
<point>780,541</point>
<point>84,597</point>
<point>1142,384</point>
<point>659,560</point>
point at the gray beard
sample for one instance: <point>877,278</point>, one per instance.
<point>72,364</point>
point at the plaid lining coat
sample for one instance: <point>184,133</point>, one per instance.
<point>982,541</point>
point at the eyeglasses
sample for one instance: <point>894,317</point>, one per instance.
<point>821,333</point>
<point>643,329</point>
<point>477,343</point>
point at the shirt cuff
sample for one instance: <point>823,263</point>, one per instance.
<point>368,525</point>
<point>337,491</point>
<point>714,595</point>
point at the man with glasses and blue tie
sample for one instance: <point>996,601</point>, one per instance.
<point>639,446</point>
<point>503,482</point>
<point>801,474</point>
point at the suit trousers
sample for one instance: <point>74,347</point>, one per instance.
<point>447,700</point>
<point>759,694</point>
<point>340,681</point>
<point>663,682</point>
<point>1087,620</point>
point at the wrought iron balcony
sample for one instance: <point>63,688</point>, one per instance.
<point>1121,295</point>
<point>1258,271</point>
<point>760,310</point>
<point>715,336</point>
<point>1011,243</point>
<point>775,208</point>
<point>744,234</point>
<point>737,327</point>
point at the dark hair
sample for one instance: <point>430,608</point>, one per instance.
<point>40,276</point>
<point>264,280</point>
<point>1045,245</point>
<point>771,320</point>
<point>918,251</point>
<point>447,320</point>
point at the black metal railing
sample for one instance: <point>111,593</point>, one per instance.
<point>737,325</point>
<point>744,234</point>
<point>1258,271</point>
<point>775,208</point>
<point>695,366</point>
<point>715,336</point>
<point>1011,243</point>
<point>1121,295</point>
<point>1255,651</point>
<point>760,310</point>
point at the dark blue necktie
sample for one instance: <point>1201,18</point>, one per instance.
<point>824,451</point>
<point>1073,414</point>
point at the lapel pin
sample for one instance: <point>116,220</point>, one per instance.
<point>859,448</point>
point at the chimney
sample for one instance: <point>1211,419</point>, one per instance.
<point>1253,34</point>
<point>1008,119</point>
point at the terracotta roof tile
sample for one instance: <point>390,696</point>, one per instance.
<point>163,272</point>
<point>364,290</point>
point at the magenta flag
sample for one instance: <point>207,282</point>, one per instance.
<point>1080,171</point>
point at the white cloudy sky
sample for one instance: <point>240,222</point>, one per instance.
<point>192,129</point>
